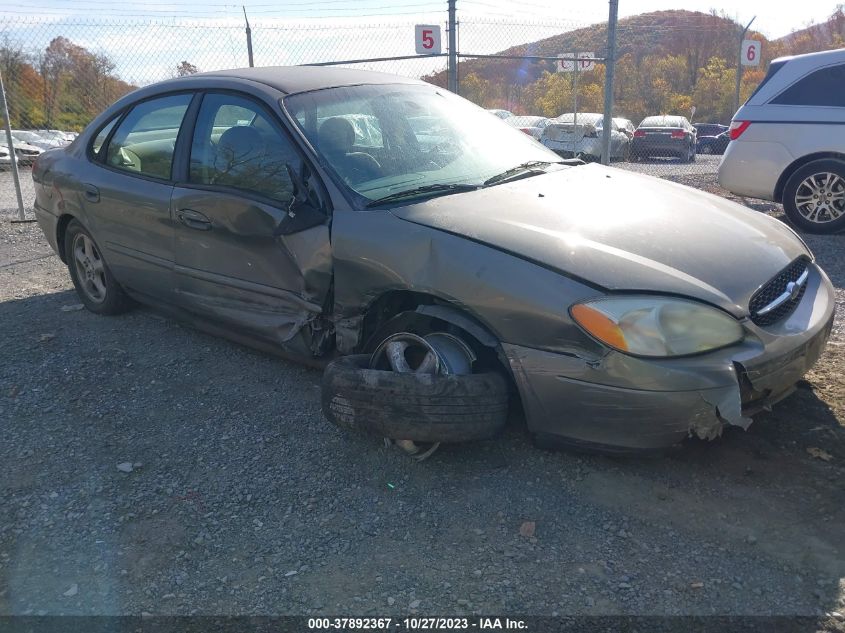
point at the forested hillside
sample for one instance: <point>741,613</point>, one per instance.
<point>668,62</point>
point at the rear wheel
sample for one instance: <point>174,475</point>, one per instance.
<point>705,149</point>
<point>97,288</point>
<point>814,196</point>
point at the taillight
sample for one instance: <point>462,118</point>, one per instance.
<point>678,134</point>
<point>526,130</point>
<point>737,128</point>
<point>639,134</point>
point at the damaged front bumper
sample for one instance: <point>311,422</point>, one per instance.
<point>619,402</point>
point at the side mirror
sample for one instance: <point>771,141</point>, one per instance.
<point>306,208</point>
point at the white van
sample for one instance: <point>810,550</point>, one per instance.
<point>788,141</point>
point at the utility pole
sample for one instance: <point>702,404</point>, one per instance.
<point>248,38</point>
<point>453,49</point>
<point>575,94</point>
<point>739,64</point>
<point>609,64</point>
<point>8,125</point>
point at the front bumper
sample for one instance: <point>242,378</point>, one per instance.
<point>26,159</point>
<point>618,402</point>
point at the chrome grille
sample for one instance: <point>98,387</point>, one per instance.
<point>773,289</point>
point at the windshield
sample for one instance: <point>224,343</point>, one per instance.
<point>383,140</point>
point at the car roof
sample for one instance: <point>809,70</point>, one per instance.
<point>291,79</point>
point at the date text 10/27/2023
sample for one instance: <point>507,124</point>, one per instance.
<point>417,624</point>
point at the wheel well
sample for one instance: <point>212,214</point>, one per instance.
<point>420,313</point>
<point>61,228</point>
<point>795,165</point>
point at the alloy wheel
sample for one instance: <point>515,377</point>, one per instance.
<point>820,198</point>
<point>90,270</point>
<point>438,353</point>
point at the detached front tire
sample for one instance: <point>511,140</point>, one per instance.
<point>814,196</point>
<point>413,406</point>
<point>96,286</point>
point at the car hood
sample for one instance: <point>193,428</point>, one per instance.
<point>623,231</point>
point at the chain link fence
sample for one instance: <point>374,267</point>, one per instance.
<point>59,73</point>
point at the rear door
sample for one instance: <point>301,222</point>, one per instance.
<point>126,192</point>
<point>229,265</point>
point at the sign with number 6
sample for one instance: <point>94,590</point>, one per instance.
<point>427,39</point>
<point>750,53</point>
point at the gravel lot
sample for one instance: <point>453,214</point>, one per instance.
<point>704,165</point>
<point>241,499</point>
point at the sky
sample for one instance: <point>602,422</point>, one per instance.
<point>147,38</point>
<point>774,19</point>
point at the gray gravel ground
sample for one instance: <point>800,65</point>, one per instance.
<point>241,499</point>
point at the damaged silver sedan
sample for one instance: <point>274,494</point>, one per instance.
<point>447,264</point>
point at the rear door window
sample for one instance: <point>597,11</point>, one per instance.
<point>145,140</point>
<point>823,87</point>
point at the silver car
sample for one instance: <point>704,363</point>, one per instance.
<point>33,138</point>
<point>26,153</point>
<point>788,141</point>
<point>580,135</point>
<point>445,275</point>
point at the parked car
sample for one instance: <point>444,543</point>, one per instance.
<point>531,125</point>
<point>713,144</point>
<point>664,136</point>
<point>5,158</point>
<point>709,129</point>
<point>57,136</point>
<point>26,153</point>
<point>788,141</point>
<point>580,135</point>
<point>441,278</point>
<point>32,138</point>
<point>502,114</point>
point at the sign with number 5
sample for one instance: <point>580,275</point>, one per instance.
<point>427,39</point>
<point>750,53</point>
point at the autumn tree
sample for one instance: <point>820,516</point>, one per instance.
<point>185,68</point>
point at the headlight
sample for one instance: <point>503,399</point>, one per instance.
<point>656,326</point>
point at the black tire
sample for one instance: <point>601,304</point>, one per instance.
<point>791,189</point>
<point>706,149</point>
<point>418,407</point>
<point>114,299</point>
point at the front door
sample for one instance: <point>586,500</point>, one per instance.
<point>229,265</point>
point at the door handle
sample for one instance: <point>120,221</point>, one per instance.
<point>92,194</point>
<point>194,219</point>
